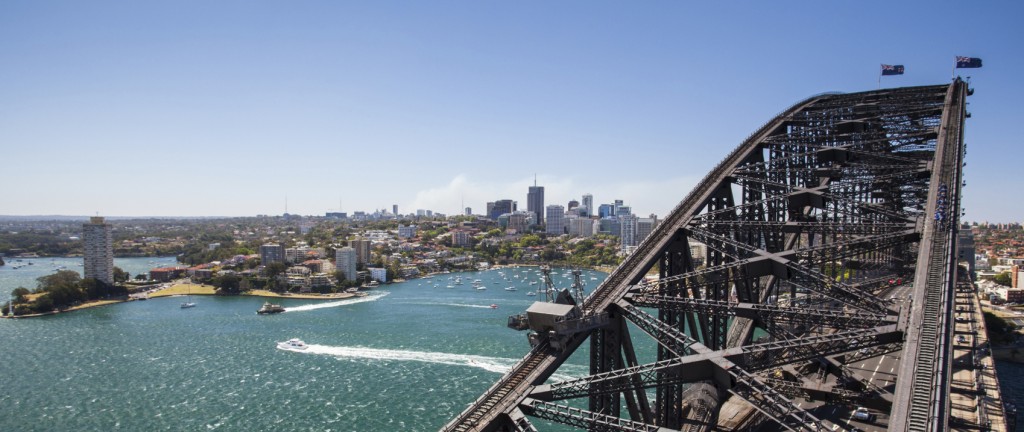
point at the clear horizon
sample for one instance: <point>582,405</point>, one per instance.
<point>196,108</point>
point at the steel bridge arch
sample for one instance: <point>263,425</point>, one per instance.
<point>807,225</point>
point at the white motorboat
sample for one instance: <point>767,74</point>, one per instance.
<point>294,344</point>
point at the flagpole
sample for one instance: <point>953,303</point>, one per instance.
<point>953,77</point>
<point>879,77</point>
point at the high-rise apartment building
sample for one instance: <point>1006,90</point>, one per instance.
<point>644,228</point>
<point>501,207</point>
<point>362,248</point>
<point>556,220</point>
<point>627,228</point>
<point>582,227</point>
<point>588,202</point>
<point>271,253</point>
<point>535,202</point>
<point>345,260</point>
<point>99,250</point>
<point>394,209</point>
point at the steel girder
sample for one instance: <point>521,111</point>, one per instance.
<point>804,226</point>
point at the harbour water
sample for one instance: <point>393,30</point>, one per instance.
<point>409,356</point>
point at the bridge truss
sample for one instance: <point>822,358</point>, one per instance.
<point>774,277</point>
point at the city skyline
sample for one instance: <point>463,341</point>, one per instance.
<point>157,110</point>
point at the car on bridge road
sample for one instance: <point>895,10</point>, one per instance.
<point>863,414</point>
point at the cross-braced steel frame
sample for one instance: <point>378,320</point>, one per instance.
<point>771,278</point>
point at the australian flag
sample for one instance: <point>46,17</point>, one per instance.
<point>892,69</point>
<point>968,62</point>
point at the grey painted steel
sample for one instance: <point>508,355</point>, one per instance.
<point>808,225</point>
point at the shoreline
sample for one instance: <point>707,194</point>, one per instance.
<point>199,290</point>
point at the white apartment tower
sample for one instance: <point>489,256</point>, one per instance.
<point>588,202</point>
<point>345,260</point>
<point>99,250</point>
<point>556,219</point>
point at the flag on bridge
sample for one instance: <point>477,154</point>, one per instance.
<point>968,62</point>
<point>892,69</point>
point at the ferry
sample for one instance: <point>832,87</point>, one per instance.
<point>294,344</point>
<point>270,308</point>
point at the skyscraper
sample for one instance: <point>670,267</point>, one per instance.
<point>394,209</point>
<point>99,250</point>
<point>535,202</point>
<point>644,227</point>
<point>627,227</point>
<point>556,220</point>
<point>501,207</point>
<point>362,248</point>
<point>588,202</point>
<point>345,260</point>
<point>271,253</point>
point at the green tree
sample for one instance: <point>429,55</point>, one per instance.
<point>19,294</point>
<point>275,268</point>
<point>121,276</point>
<point>1003,279</point>
<point>228,283</point>
<point>63,278</point>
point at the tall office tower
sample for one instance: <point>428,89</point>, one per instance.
<point>588,202</point>
<point>627,227</point>
<point>490,209</point>
<point>615,207</point>
<point>501,207</point>
<point>644,227</point>
<point>605,210</point>
<point>535,202</point>
<point>556,220</point>
<point>469,211</point>
<point>572,205</point>
<point>99,250</point>
<point>345,260</point>
<point>271,253</point>
<point>394,209</point>
<point>362,248</point>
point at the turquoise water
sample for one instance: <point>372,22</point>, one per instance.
<point>408,357</point>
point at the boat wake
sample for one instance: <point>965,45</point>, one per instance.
<point>467,305</point>
<point>345,302</point>
<point>490,364</point>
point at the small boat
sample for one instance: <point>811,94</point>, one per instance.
<point>511,288</point>
<point>352,290</point>
<point>494,306</point>
<point>531,293</point>
<point>188,302</point>
<point>270,308</point>
<point>294,344</point>
<point>481,288</point>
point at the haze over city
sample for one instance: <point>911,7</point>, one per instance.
<point>198,108</point>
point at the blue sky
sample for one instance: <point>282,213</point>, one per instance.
<point>228,107</point>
